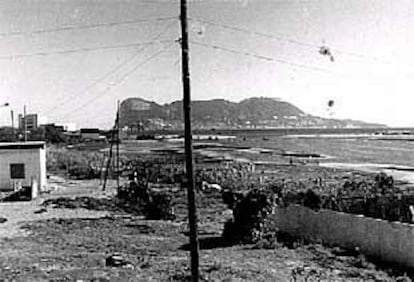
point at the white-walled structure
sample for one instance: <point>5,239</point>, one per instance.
<point>22,164</point>
<point>391,242</point>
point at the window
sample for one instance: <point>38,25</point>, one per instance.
<point>16,171</point>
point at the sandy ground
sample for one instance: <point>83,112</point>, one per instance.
<point>18,213</point>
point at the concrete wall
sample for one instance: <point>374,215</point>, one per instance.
<point>35,167</point>
<point>389,241</point>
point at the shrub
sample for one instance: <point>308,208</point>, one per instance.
<point>251,221</point>
<point>154,205</point>
<point>160,207</point>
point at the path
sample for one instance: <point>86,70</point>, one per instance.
<point>17,213</point>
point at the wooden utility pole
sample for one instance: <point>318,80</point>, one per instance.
<point>192,210</point>
<point>111,141</point>
<point>67,167</point>
<point>108,163</point>
<point>117,146</point>
<point>12,124</point>
<point>25,123</point>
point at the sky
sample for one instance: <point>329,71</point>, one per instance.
<point>70,61</point>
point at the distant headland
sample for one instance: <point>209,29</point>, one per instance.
<point>255,113</point>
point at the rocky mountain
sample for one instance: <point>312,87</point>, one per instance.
<point>139,114</point>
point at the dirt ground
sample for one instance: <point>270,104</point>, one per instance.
<point>56,244</point>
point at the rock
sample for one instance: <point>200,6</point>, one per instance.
<point>117,260</point>
<point>42,210</point>
<point>3,219</point>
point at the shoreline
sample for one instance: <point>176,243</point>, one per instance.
<point>398,172</point>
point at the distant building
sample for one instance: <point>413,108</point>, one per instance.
<point>53,127</point>
<point>29,121</point>
<point>90,134</point>
<point>69,126</point>
<point>72,136</point>
<point>53,133</point>
<point>23,165</point>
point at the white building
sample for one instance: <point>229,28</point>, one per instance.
<point>23,164</point>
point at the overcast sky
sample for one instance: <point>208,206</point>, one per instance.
<point>369,78</point>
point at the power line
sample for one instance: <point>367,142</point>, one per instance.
<point>125,77</point>
<point>152,79</point>
<point>80,50</point>
<point>108,88</point>
<point>245,2</point>
<point>284,38</point>
<point>282,61</point>
<point>82,27</point>
<point>262,57</point>
<point>112,71</point>
<point>242,2</point>
<point>157,2</point>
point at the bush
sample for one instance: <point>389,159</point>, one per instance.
<point>251,221</point>
<point>160,207</point>
<point>154,205</point>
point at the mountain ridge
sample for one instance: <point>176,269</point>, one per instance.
<point>256,112</point>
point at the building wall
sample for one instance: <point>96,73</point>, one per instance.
<point>389,241</point>
<point>34,161</point>
<point>31,121</point>
<point>92,136</point>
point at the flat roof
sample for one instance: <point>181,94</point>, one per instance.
<point>22,145</point>
<point>89,130</point>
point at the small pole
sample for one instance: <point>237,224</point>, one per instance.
<point>192,210</point>
<point>108,162</point>
<point>117,146</point>
<point>25,123</point>
<point>12,123</point>
<point>110,154</point>
<point>67,167</point>
<point>102,168</point>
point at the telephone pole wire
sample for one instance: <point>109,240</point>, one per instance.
<point>192,210</point>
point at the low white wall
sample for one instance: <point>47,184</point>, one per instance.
<point>389,241</point>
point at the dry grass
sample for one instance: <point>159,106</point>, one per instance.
<point>70,249</point>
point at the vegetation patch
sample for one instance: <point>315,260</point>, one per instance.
<point>90,203</point>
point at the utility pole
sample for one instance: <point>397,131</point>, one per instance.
<point>25,123</point>
<point>67,167</point>
<point>12,123</point>
<point>108,164</point>
<point>117,146</point>
<point>192,210</point>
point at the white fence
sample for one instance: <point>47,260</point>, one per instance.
<point>388,241</point>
